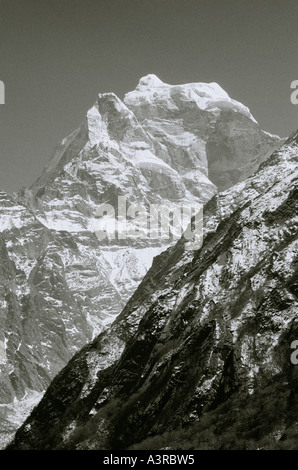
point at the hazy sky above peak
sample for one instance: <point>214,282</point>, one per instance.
<point>57,55</point>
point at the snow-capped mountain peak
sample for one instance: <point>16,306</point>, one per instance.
<point>163,144</point>
<point>149,81</point>
<point>209,96</point>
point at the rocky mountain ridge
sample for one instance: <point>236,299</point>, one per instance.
<point>205,328</point>
<point>61,285</point>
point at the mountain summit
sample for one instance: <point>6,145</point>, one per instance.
<point>61,285</point>
<point>149,81</point>
<point>209,132</point>
<point>204,95</point>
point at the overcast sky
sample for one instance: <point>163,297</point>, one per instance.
<point>57,55</point>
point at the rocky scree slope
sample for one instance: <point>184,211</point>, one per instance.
<point>204,329</point>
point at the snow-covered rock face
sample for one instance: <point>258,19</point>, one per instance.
<point>61,285</point>
<point>204,131</point>
<point>203,327</point>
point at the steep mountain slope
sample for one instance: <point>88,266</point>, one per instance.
<point>205,328</point>
<point>61,285</point>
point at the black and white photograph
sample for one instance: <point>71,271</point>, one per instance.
<point>148,228</point>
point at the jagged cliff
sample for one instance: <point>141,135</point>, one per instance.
<point>61,286</point>
<point>200,355</point>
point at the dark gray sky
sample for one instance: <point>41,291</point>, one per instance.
<point>57,55</point>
